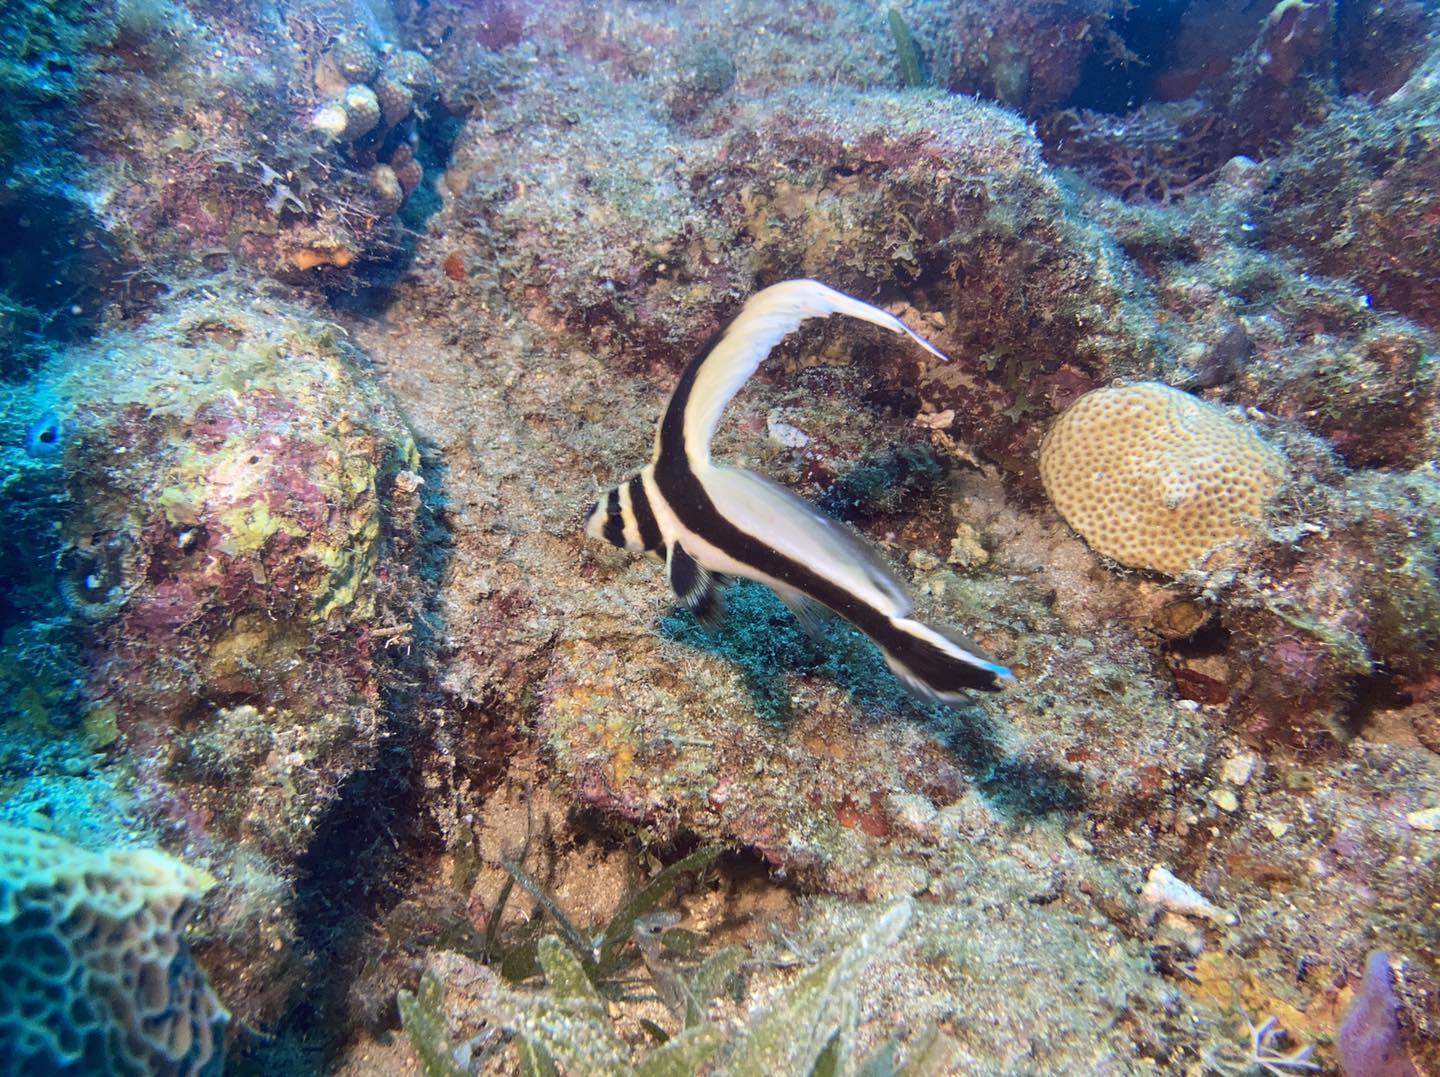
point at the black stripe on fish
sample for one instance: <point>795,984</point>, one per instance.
<point>644,518</point>
<point>935,670</point>
<point>614,520</point>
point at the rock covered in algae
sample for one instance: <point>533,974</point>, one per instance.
<point>1354,207</point>
<point>136,124</point>
<point>1027,55</point>
<point>242,504</point>
<point>940,199</point>
<point>1311,619</point>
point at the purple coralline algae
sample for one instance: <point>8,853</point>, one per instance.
<point>1370,1039</point>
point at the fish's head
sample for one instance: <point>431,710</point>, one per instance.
<point>623,518</point>
<point>595,521</point>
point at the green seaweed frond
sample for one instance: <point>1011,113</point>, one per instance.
<point>646,901</point>
<point>907,50</point>
<point>572,934</point>
<point>569,1024</point>
<point>812,1026</point>
<point>601,958</point>
<point>423,1016</point>
<point>809,1029</point>
<point>683,1055</point>
<point>709,980</point>
<point>933,1053</point>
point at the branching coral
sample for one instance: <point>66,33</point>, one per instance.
<point>1159,154</point>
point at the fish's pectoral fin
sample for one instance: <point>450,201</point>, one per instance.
<point>810,613</point>
<point>697,587</point>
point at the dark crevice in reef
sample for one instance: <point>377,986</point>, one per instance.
<point>884,485</point>
<point>1374,692</point>
<point>51,275</point>
<point>355,872</point>
<point>374,839</point>
<point>372,290</point>
<point>1147,32</point>
<point>1210,639</point>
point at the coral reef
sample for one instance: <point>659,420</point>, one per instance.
<point>231,555</point>
<point>129,125</point>
<point>1266,85</point>
<point>1207,797</point>
<point>96,974</point>
<point>796,749</point>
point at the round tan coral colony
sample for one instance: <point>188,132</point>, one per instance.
<point>1154,477</point>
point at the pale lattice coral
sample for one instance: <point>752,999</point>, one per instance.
<point>1154,477</point>
<point>95,972</point>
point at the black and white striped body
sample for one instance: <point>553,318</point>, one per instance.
<point>709,521</point>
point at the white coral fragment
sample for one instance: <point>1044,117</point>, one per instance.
<point>1425,818</point>
<point>1166,892</point>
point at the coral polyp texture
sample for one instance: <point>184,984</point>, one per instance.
<point>96,975</point>
<point>1156,478</point>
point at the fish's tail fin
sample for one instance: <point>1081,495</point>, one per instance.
<point>939,665</point>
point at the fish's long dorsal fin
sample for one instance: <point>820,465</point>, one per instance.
<point>696,586</point>
<point>711,381</point>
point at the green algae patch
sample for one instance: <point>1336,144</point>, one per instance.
<point>250,527</point>
<point>351,568</point>
<point>101,728</point>
<point>179,506</point>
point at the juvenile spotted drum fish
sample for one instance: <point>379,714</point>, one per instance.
<point>709,522</point>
